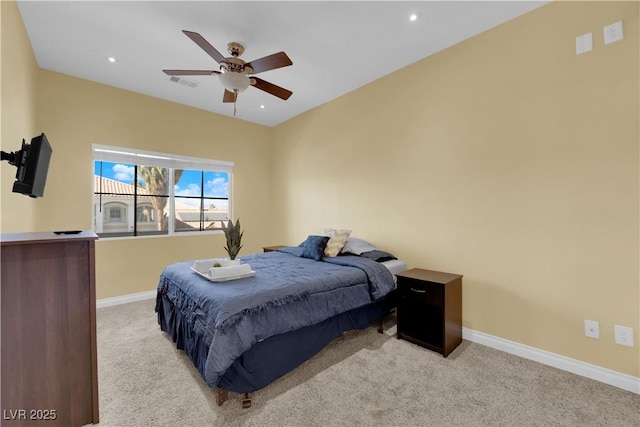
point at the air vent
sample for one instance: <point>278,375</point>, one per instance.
<point>183,81</point>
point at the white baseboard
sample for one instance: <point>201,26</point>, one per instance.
<point>108,302</point>
<point>604,375</point>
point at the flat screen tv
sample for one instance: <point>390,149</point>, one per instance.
<point>32,161</point>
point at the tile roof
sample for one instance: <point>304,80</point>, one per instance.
<point>112,186</point>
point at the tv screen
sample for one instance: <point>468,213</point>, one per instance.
<point>32,162</point>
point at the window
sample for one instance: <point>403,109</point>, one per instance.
<point>146,213</point>
<point>201,199</point>
<point>116,212</point>
<point>141,193</point>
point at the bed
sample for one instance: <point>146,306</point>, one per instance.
<point>243,334</point>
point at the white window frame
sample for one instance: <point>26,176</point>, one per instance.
<point>125,155</point>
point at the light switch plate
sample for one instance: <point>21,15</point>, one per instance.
<point>613,32</point>
<point>584,43</point>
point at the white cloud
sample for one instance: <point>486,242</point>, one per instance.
<point>218,187</point>
<point>123,173</point>
<point>191,190</point>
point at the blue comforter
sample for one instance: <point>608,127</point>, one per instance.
<point>286,293</point>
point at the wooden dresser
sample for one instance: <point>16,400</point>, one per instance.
<point>49,360</point>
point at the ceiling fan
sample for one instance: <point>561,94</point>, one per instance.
<point>235,74</point>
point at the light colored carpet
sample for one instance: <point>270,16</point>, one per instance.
<point>363,378</point>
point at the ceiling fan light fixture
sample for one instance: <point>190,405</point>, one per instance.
<point>234,82</point>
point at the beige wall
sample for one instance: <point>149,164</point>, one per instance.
<point>18,71</point>
<point>508,159</point>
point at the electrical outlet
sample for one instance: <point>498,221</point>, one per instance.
<point>624,335</point>
<point>592,328</point>
<point>613,32</point>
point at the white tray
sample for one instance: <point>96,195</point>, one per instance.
<point>224,278</point>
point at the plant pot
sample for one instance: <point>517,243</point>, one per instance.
<point>233,262</point>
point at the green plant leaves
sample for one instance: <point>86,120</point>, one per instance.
<point>233,234</point>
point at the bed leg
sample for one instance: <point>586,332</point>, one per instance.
<point>246,401</point>
<point>221,395</point>
<point>381,327</point>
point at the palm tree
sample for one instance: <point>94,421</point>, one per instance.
<point>157,183</point>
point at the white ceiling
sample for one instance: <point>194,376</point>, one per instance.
<point>335,46</point>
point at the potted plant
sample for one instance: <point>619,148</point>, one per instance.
<point>233,235</point>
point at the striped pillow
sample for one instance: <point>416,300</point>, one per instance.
<point>337,240</point>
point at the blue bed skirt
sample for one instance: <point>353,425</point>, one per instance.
<point>273,357</point>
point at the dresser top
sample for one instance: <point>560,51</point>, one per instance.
<point>44,237</point>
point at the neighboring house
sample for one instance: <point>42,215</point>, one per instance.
<point>115,213</point>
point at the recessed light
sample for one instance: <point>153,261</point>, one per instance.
<point>262,107</point>
<point>112,59</point>
<point>414,17</point>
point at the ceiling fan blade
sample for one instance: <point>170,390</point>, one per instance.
<point>229,96</point>
<point>205,45</point>
<point>278,91</point>
<point>190,72</point>
<point>271,62</point>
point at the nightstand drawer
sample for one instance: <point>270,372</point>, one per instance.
<point>421,292</point>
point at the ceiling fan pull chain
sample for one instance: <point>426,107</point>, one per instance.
<point>235,100</point>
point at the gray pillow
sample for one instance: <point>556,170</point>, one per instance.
<point>357,246</point>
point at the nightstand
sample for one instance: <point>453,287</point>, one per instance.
<point>430,309</point>
<point>272,248</point>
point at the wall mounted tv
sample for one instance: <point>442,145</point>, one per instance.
<point>32,161</point>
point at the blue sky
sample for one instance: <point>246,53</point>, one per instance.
<point>216,184</point>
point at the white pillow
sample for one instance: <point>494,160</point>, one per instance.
<point>357,246</point>
<point>337,240</point>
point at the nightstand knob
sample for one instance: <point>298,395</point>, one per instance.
<point>420,291</point>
